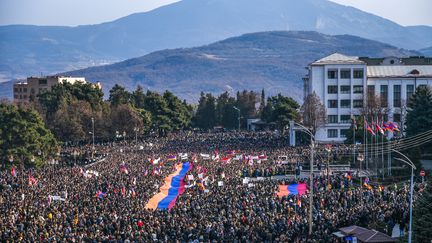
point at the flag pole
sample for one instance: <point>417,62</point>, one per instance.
<point>376,148</point>
<point>366,141</point>
<point>382,148</point>
<point>354,142</point>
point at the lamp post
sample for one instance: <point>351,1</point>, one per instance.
<point>413,167</point>
<point>136,129</point>
<point>310,175</point>
<point>93,148</point>
<point>238,110</point>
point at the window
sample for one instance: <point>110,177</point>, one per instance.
<point>344,132</point>
<point>422,86</point>
<point>16,90</point>
<point>410,90</point>
<point>397,95</point>
<point>16,96</point>
<point>332,133</point>
<point>332,104</point>
<point>397,117</point>
<point>384,95</point>
<point>345,103</point>
<point>345,73</point>
<point>43,81</point>
<point>25,96</point>
<point>332,89</point>
<point>371,91</point>
<point>358,89</point>
<point>345,118</point>
<point>357,103</point>
<point>345,89</point>
<point>358,73</point>
<point>332,74</point>
<point>332,119</point>
<point>25,90</point>
<point>32,91</point>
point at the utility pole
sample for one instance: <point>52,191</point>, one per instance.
<point>311,177</point>
<point>413,167</point>
<point>311,187</point>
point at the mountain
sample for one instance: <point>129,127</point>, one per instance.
<point>274,61</point>
<point>30,50</point>
<point>426,51</point>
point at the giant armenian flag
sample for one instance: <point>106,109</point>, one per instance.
<point>172,188</point>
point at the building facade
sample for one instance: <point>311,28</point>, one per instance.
<point>22,91</point>
<point>342,83</point>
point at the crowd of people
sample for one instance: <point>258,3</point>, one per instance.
<point>104,201</point>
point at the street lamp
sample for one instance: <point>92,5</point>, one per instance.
<point>413,167</point>
<point>310,175</point>
<point>93,136</point>
<point>136,129</point>
<point>238,110</point>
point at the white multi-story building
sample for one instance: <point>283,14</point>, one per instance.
<point>342,81</point>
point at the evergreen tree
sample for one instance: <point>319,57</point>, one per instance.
<point>246,102</point>
<point>280,109</point>
<point>419,120</point>
<point>205,116</point>
<point>419,116</point>
<point>138,97</point>
<point>24,137</point>
<point>119,95</point>
<point>179,112</point>
<point>422,215</point>
<point>159,110</point>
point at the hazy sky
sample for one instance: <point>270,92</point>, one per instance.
<point>79,12</point>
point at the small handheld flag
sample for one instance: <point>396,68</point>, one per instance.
<point>13,171</point>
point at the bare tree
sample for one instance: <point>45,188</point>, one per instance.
<point>313,112</point>
<point>375,108</point>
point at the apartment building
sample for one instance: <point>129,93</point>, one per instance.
<point>342,81</point>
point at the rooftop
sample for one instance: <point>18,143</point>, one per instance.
<point>337,58</point>
<point>407,71</point>
<point>363,234</point>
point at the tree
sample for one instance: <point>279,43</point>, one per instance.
<point>419,120</point>
<point>125,118</point>
<point>119,95</point>
<point>158,108</point>
<point>68,108</point>
<point>419,116</point>
<point>262,102</point>
<point>246,102</point>
<point>23,136</point>
<point>280,109</point>
<point>205,116</point>
<point>422,214</point>
<point>313,112</point>
<point>71,121</point>
<point>179,112</point>
<point>226,116</point>
<point>64,93</point>
<point>138,97</point>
